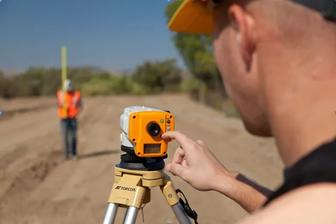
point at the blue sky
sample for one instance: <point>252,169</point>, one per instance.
<point>112,34</point>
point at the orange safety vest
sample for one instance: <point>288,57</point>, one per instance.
<point>69,104</point>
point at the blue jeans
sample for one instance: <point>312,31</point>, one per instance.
<point>69,135</point>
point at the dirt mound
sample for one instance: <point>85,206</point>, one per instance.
<point>38,186</point>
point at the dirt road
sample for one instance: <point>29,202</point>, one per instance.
<point>37,186</point>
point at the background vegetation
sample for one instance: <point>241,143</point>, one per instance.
<point>150,77</point>
<point>201,80</point>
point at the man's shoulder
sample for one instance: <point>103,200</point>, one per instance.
<point>310,204</point>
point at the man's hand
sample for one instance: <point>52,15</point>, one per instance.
<point>194,163</point>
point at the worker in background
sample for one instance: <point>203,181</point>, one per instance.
<point>69,105</point>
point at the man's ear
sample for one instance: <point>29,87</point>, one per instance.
<point>244,26</point>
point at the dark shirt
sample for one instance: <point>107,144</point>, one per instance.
<point>317,167</point>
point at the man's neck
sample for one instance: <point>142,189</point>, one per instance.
<point>304,123</point>
<point>300,95</point>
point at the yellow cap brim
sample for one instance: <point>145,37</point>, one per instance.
<point>193,16</point>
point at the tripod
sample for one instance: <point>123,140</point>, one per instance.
<point>131,189</point>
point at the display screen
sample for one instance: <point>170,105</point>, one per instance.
<point>152,148</point>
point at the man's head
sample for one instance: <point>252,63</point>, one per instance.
<point>259,46</point>
<point>68,86</point>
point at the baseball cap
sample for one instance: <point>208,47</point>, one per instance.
<point>193,16</point>
<point>196,16</point>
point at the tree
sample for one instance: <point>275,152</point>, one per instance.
<point>158,76</point>
<point>196,53</point>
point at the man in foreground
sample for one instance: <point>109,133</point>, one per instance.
<point>69,106</point>
<point>277,60</point>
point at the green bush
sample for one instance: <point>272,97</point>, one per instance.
<point>158,76</point>
<point>5,86</point>
<point>106,85</point>
<point>189,85</point>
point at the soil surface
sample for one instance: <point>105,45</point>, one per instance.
<point>37,186</point>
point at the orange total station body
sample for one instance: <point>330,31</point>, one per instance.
<point>69,104</point>
<point>145,130</point>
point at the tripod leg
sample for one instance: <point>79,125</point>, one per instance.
<point>173,200</point>
<point>131,215</point>
<point>111,213</point>
<point>180,214</point>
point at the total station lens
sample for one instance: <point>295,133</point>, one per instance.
<point>154,129</point>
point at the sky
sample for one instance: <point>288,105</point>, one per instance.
<point>115,35</point>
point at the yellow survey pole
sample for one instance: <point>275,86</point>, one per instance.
<point>64,64</point>
<point>64,76</point>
